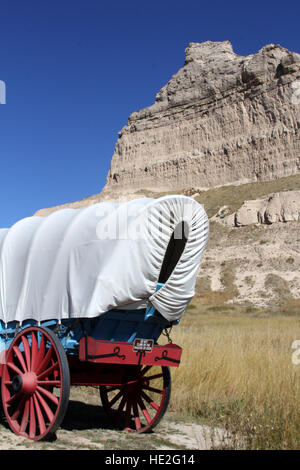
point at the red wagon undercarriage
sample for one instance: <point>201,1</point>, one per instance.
<point>133,379</point>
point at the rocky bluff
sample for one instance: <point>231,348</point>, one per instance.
<point>221,119</point>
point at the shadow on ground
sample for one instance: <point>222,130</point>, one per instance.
<point>83,416</point>
<point>79,416</point>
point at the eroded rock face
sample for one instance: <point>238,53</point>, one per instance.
<point>221,119</point>
<point>282,206</point>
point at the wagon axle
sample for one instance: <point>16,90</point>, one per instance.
<point>25,383</point>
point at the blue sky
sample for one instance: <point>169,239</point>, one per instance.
<point>76,69</point>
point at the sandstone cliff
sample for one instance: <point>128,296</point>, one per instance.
<point>221,119</point>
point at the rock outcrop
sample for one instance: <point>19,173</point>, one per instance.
<point>283,206</point>
<point>221,119</point>
<point>257,264</point>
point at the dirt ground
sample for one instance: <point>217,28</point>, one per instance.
<point>86,427</point>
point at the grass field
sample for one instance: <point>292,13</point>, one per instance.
<point>237,373</point>
<point>237,369</point>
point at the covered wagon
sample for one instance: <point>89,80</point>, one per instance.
<point>84,296</point>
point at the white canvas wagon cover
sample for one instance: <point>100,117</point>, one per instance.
<point>83,262</point>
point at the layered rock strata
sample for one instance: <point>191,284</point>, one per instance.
<point>221,119</point>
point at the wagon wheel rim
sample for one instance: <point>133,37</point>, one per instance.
<point>35,383</point>
<point>140,403</point>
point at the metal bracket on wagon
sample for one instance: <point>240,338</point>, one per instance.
<point>116,352</point>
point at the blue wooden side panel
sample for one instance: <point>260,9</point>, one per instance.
<point>126,325</point>
<point>115,325</point>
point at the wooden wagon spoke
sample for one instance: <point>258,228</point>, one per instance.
<point>14,398</point>
<point>128,414</point>
<point>144,410</point>
<point>152,389</point>
<point>26,351</point>
<point>39,414</point>
<point>121,406</point>
<point>145,370</point>
<point>137,420</point>
<point>45,361</point>
<point>25,417</point>
<point>52,383</point>
<point>32,423</point>
<point>48,371</point>
<point>42,350</point>
<point>48,394</point>
<point>19,408</point>
<point>34,351</point>
<point>115,399</point>
<point>45,406</point>
<point>19,355</point>
<point>12,366</point>
<point>150,401</point>
<point>152,377</point>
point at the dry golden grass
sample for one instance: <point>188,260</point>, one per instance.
<point>237,371</point>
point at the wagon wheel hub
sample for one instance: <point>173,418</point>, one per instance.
<point>17,383</point>
<point>134,387</point>
<point>27,383</point>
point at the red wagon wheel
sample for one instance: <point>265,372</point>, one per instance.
<point>35,383</point>
<point>141,402</point>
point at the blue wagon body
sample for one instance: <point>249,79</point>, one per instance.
<point>115,325</point>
